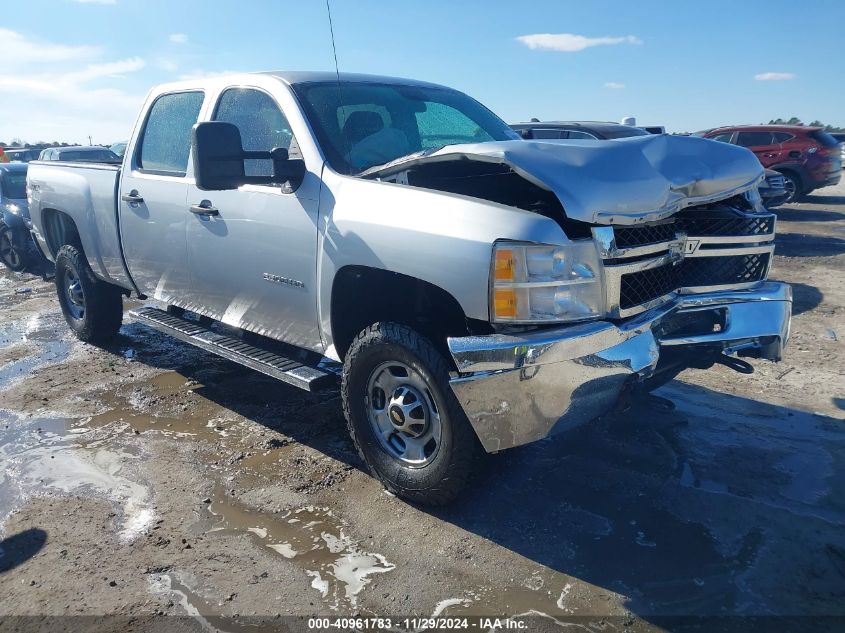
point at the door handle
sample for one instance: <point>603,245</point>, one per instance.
<point>204,208</point>
<point>132,196</point>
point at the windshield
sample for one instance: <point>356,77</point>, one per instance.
<point>360,125</point>
<point>14,185</point>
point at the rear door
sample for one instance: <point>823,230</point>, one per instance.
<point>253,262</point>
<point>153,196</point>
<point>762,144</point>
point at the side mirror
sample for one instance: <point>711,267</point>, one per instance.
<point>219,157</point>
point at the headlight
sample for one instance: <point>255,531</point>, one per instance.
<point>542,283</point>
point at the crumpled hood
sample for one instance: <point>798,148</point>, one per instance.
<point>622,181</point>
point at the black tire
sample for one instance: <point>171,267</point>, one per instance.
<point>794,187</point>
<point>13,256</point>
<point>101,303</point>
<point>446,475</point>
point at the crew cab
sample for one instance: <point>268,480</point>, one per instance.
<point>471,291</point>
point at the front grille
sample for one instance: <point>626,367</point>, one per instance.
<point>630,236</point>
<point>719,226</point>
<point>718,271</point>
<point>646,285</point>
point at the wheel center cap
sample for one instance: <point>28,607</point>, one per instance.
<point>397,416</point>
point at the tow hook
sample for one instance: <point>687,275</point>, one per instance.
<point>737,364</point>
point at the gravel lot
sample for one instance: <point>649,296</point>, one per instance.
<point>150,479</point>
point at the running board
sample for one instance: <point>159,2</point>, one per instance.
<point>234,349</point>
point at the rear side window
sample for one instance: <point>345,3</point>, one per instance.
<point>262,125</point>
<point>782,137</point>
<point>166,144</point>
<point>754,139</point>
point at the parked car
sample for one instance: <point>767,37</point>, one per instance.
<point>472,291</point>
<point>80,153</point>
<point>119,149</point>
<point>16,247</point>
<point>587,130</point>
<point>808,157</point>
<point>773,190</point>
<point>22,155</point>
<point>840,138</point>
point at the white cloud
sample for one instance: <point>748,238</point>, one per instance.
<point>178,38</point>
<point>775,76</point>
<point>570,43</point>
<point>167,65</point>
<point>51,91</point>
<point>613,85</point>
<point>28,51</point>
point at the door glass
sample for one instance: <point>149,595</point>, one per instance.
<point>724,137</point>
<point>166,144</point>
<point>754,139</point>
<point>263,126</point>
<point>578,134</point>
<point>540,133</point>
<point>782,137</point>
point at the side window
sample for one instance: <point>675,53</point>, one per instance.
<point>783,137</point>
<point>540,133</point>
<point>263,126</point>
<point>166,144</point>
<point>581,136</point>
<point>724,137</point>
<point>754,139</point>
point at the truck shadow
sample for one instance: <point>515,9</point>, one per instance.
<point>792,214</point>
<point>807,245</point>
<point>705,510</point>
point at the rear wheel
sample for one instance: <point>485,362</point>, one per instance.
<point>403,416</point>
<point>792,185</point>
<point>11,253</point>
<point>92,308</point>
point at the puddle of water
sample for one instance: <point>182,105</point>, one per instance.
<point>53,455</point>
<point>134,411</point>
<point>203,612</point>
<point>313,538</point>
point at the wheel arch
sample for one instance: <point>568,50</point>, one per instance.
<point>363,295</point>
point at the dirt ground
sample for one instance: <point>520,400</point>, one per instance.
<point>151,486</point>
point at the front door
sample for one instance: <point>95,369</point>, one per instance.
<point>253,256</point>
<point>153,192</point>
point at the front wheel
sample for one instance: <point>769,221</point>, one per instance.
<point>11,253</point>
<point>93,308</point>
<point>403,417</point>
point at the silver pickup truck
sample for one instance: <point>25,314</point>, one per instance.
<point>471,291</point>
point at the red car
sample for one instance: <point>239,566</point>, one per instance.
<point>808,157</point>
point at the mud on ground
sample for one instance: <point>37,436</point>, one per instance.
<point>150,479</point>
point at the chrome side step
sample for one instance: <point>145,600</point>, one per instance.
<point>234,349</point>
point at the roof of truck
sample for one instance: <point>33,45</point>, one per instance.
<point>293,77</point>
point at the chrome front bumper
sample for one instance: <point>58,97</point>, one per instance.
<point>521,388</point>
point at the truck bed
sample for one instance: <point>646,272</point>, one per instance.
<point>87,193</point>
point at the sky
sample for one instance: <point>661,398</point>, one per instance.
<point>78,68</point>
